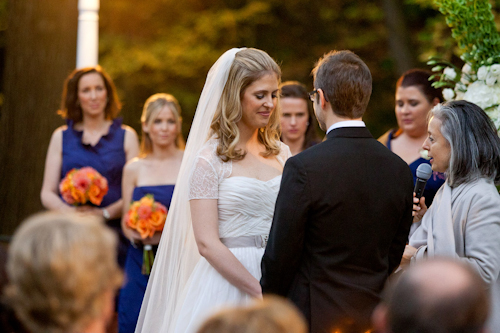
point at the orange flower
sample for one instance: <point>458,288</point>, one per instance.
<point>94,194</point>
<point>102,183</point>
<point>151,231</point>
<point>81,181</point>
<point>157,220</point>
<point>66,195</point>
<point>144,212</point>
<point>147,200</point>
<point>142,228</point>
<point>146,216</point>
<point>131,219</point>
<point>159,207</point>
<point>82,185</point>
<point>78,195</point>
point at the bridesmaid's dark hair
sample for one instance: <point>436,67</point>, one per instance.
<point>419,78</point>
<point>70,107</point>
<point>295,89</point>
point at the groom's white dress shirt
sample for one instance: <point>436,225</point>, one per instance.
<point>346,123</point>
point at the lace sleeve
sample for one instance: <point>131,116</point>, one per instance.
<point>203,183</point>
<point>284,154</point>
<point>207,173</point>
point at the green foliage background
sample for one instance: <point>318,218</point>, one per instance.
<point>169,46</point>
<point>152,46</point>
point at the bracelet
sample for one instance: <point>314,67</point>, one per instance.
<point>105,213</point>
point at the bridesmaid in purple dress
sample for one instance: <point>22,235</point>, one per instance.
<point>92,137</point>
<point>415,97</point>
<point>154,172</point>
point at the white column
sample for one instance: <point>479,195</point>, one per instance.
<point>88,33</point>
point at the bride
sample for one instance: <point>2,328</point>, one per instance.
<point>223,205</point>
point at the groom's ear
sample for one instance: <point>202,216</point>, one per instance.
<point>322,98</point>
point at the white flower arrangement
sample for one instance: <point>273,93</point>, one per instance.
<point>479,42</point>
<point>449,73</point>
<point>481,88</point>
<point>448,94</point>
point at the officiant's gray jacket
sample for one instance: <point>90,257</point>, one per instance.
<point>464,223</point>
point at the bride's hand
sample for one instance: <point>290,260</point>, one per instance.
<point>257,291</point>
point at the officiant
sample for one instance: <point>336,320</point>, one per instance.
<point>463,221</point>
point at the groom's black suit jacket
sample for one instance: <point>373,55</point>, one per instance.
<point>340,226</point>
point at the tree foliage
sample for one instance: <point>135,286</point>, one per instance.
<point>473,28</point>
<point>170,45</point>
<point>465,29</point>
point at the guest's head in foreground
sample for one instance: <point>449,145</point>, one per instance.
<point>298,124</point>
<point>90,92</point>
<point>463,142</point>
<point>273,315</point>
<point>249,104</point>
<point>63,273</point>
<point>161,112</point>
<point>343,85</point>
<point>436,296</point>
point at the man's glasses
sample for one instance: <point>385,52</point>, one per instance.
<point>312,95</point>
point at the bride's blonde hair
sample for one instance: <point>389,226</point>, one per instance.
<point>248,66</point>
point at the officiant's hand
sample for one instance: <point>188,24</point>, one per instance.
<point>419,208</point>
<point>408,253</point>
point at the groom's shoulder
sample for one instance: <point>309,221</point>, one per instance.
<point>314,151</point>
<point>334,149</point>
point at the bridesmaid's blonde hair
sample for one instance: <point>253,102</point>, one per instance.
<point>153,105</point>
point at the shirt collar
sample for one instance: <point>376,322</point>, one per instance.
<point>346,123</point>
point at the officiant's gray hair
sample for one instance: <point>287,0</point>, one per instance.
<point>473,139</point>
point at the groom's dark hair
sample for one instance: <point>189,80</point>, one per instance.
<point>346,81</point>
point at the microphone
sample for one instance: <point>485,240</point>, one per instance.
<point>424,172</point>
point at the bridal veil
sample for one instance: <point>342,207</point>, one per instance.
<point>177,253</point>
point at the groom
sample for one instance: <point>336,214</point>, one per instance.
<point>343,212</point>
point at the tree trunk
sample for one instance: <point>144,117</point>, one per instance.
<point>399,38</point>
<point>41,51</point>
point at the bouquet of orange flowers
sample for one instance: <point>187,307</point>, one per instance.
<point>146,216</point>
<point>80,186</point>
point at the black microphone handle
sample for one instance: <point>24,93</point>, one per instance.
<point>419,187</point>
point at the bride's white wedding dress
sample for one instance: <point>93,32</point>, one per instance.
<point>246,207</point>
<point>184,288</point>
